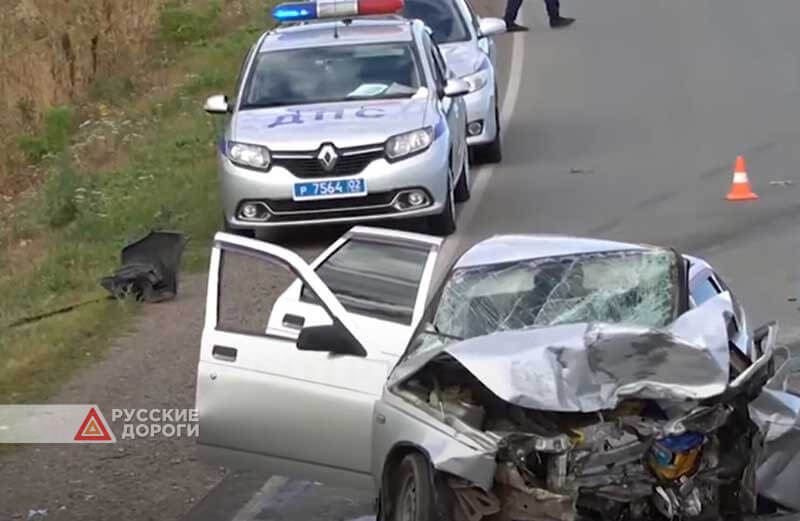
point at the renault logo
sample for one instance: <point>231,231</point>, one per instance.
<point>327,157</point>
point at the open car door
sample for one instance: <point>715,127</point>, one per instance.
<point>382,278</point>
<point>293,404</point>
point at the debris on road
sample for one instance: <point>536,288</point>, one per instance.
<point>785,182</point>
<point>149,269</point>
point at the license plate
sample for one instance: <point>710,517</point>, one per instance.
<point>330,189</point>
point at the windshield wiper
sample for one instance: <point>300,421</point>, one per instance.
<point>436,331</point>
<point>269,104</point>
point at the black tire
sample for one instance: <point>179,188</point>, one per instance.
<point>241,232</point>
<point>491,152</point>
<point>413,495</point>
<point>444,224</point>
<point>463,190</point>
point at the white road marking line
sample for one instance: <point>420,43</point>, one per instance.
<point>468,213</point>
<point>256,504</point>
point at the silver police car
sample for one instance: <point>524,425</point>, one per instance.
<point>343,120</point>
<point>469,50</point>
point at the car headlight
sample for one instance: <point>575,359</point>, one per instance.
<point>404,145</point>
<point>477,80</point>
<point>249,156</point>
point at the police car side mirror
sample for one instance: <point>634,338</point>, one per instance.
<point>491,26</point>
<point>217,104</point>
<point>455,88</point>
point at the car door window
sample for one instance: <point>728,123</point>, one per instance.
<point>248,288</point>
<point>438,78</point>
<point>374,279</point>
<point>704,289</point>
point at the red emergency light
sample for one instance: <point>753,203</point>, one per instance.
<point>301,11</point>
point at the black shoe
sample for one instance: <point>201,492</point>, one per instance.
<point>513,27</point>
<point>560,21</point>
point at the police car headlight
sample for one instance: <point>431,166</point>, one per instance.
<point>477,80</point>
<point>404,145</point>
<point>249,156</point>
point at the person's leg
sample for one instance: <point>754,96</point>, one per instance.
<point>552,8</point>
<point>556,20</point>
<point>512,8</point>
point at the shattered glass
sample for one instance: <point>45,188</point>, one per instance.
<point>631,287</point>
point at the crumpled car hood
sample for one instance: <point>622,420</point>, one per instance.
<point>777,413</point>
<point>592,367</point>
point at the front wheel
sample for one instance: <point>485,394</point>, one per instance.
<point>413,498</point>
<point>444,224</point>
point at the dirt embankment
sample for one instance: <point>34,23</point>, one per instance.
<point>53,51</point>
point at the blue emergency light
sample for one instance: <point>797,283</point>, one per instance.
<point>301,11</point>
<point>295,12</point>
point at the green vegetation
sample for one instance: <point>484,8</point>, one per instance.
<point>57,245</point>
<point>59,124</point>
<point>182,26</point>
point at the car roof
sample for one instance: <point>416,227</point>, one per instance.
<point>366,30</point>
<point>512,248</point>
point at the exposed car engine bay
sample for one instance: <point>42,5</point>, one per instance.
<point>645,459</point>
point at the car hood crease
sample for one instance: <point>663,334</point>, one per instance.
<point>593,367</point>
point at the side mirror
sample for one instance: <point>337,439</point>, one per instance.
<point>491,26</point>
<point>217,105</point>
<point>455,88</point>
<point>333,338</point>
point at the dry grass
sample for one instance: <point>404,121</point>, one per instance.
<point>132,153</point>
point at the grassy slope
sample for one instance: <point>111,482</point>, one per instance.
<point>60,241</point>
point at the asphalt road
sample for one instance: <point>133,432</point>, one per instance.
<point>624,126</point>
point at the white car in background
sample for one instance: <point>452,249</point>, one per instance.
<point>466,42</point>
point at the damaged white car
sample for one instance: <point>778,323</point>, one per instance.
<point>551,378</point>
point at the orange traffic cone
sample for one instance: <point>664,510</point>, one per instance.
<point>740,189</point>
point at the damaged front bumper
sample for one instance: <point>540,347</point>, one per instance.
<point>638,449</point>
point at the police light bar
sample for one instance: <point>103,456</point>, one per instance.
<point>301,11</point>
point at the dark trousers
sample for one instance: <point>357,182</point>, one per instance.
<point>512,8</point>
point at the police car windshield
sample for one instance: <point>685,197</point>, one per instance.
<point>331,74</point>
<point>442,16</point>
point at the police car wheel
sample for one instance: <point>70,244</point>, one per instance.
<point>462,193</point>
<point>241,232</point>
<point>445,223</point>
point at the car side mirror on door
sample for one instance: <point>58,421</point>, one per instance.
<point>333,338</point>
<point>455,88</point>
<point>217,104</point>
<point>491,26</point>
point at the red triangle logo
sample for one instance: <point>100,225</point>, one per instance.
<point>93,428</point>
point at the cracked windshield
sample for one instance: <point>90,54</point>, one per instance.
<point>637,288</point>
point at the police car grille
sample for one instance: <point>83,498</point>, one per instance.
<point>350,164</point>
